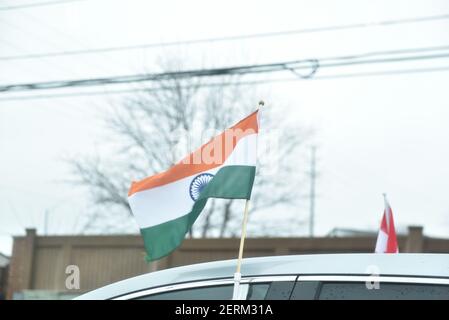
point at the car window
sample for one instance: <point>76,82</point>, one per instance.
<point>257,291</point>
<point>280,290</point>
<point>223,292</point>
<point>305,290</point>
<point>389,291</point>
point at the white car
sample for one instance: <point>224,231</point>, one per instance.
<point>321,276</point>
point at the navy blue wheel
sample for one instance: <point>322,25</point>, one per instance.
<point>198,184</point>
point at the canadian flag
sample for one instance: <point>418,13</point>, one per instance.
<point>386,239</point>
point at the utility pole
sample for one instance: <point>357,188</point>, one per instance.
<point>312,190</point>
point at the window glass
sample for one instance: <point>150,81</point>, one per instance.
<point>393,291</point>
<point>305,290</point>
<point>257,291</point>
<point>280,290</point>
<point>202,293</point>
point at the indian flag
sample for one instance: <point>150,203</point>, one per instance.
<point>167,204</point>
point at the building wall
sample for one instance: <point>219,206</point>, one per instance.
<point>4,267</point>
<point>3,281</point>
<point>39,262</point>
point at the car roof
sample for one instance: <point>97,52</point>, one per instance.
<point>403,264</point>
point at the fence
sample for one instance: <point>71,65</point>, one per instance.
<point>39,262</point>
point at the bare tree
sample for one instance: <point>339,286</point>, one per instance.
<point>150,126</point>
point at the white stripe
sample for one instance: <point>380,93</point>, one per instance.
<point>381,244</point>
<point>168,202</point>
<point>244,153</point>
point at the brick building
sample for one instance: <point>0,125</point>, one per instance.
<point>4,266</point>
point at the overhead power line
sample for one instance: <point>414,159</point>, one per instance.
<point>311,65</point>
<point>387,52</point>
<point>37,4</point>
<point>239,70</point>
<point>237,83</point>
<point>229,38</point>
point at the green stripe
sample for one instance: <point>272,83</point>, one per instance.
<point>230,182</point>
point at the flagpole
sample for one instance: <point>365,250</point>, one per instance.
<point>237,274</point>
<point>387,216</point>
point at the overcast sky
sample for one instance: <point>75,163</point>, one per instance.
<point>374,134</point>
